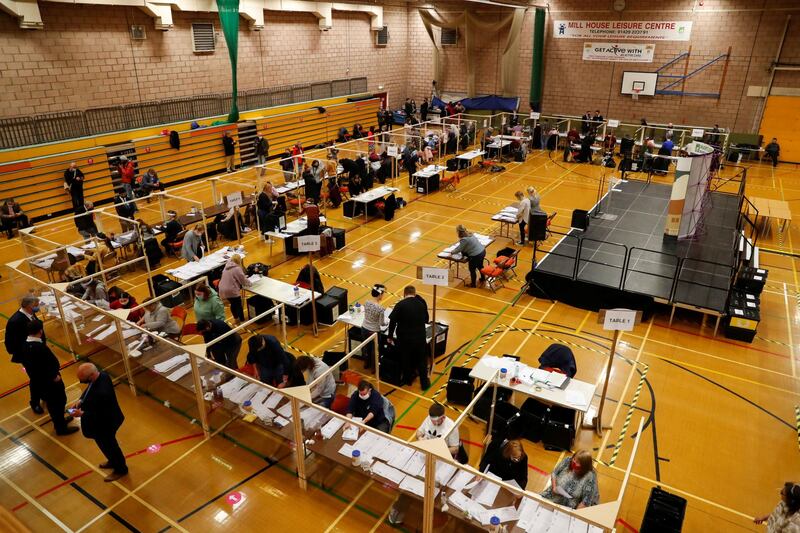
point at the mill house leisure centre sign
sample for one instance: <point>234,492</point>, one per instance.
<point>669,30</point>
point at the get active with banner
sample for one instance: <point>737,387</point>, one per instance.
<point>671,30</point>
<point>620,52</point>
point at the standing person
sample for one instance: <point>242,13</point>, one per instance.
<point>16,333</point>
<point>597,119</point>
<point>101,418</point>
<point>409,319</point>
<point>507,460</point>
<point>226,351</point>
<point>192,249</point>
<point>274,365</point>
<point>423,110</point>
<point>262,152</point>
<point>11,214</point>
<point>264,207</point>
<point>535,200</point>
<point>124,208</point>
<point>323,393</point>
<point>573,483</point>
<point>127,175</point>
<point>84,221</point>
<point>785,518</point>
<point>523,215</point>
<point>297,156</point>
<point>586,122</point>
<point>435,426</point>
<point>44,371</point>
<point>207,304</point>
<point>408,109</point>
<point>374,321</point>
<point>773,150</point>
<point>317,176</point>
<point>367,404</point>
<point>73,182</point>
<point>231,284</point>
<point>470,247</point>
<point>229,147</point>
<point>287,164</point>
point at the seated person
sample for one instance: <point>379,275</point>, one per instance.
<point>322,393</point>
<point>102,256</point>
<point>126,301</point>
<point>573,483</point>
<point>207,304</point>
<point>367,403</point>
<point>150,182</point>
<point>84,220</point>
<point>334,193</point>
<point>275,366</point>
<point>13,216</point>
<point>227,224</point>
<point>507,460</point>
<point>226,351</point>
<point>354,185</point>
<point>156,318</point>
<point>304,278</point>
<point>171,230</point>
<point>151,248</point>
<point>95,293</point>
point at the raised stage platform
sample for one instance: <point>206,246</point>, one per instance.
<point>627,262</point>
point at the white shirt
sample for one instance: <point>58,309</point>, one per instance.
<point>33,339</point>
<point>430,431</point>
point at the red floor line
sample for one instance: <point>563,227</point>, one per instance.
<point>627,525</point>
<point>87,472</point>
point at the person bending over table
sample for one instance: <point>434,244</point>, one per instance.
<point>95,293</point>
<point>126,301</point>
<point>13,216</point>
<point>275,367</point>
<point>507,460</point>
<point>367,403</point>
<point>157,319</point>
<point>207,304</point>
<point>573,483</point>
<point>435,426</point>
<point>323,393</point>
<point>192,249</point>
<point>226,351</point>
<point>470,247</point>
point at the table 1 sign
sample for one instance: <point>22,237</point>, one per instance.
<point>234,199</point>
<point>620,319</point>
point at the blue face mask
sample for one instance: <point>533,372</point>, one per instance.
<point>35,309</point>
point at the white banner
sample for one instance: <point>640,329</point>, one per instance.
<point>619,52</point>
<point>671,30</point>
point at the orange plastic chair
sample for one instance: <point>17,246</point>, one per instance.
<point>178,314</point>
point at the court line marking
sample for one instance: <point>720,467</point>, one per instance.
<point>129,492</point>
<point>33,502</point>
<point>347,509</point>
<point>789,330</point>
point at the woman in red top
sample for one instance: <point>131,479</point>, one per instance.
<point>126,301</point>
<point>127,173</point>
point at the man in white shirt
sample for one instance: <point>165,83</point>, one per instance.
<point>435,426</point>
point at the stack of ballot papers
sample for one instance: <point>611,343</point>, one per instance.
<point>232,387</point>
<point>331,427</point>
<point>460,480</point>
<point>484,491</point>
<point>312,417</point>
<point>462,502</point>
<point>175,375</point>
<point>413,485</point>
<point>171,363</point>
<point>444,471</point>
<point>245,393</point>
<point>387,472</point>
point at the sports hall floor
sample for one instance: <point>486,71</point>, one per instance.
<point>720,416</point>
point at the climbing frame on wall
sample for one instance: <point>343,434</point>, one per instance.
<point>674,79</point>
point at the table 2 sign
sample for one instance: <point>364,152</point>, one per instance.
<point>435,276</point>
<point>308,243</point>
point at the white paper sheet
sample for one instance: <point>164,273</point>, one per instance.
<point>413,485</point>
<point>107,333</point>
<point>444,471</point>
<point>273,401</point>
<point>505,514</point>
<point>460,480</point>
<point>179,373</point>
<point>280,421</point>
<point>485,492</point>
<point>542,521</point>
<point>560,522</point>
<point>346,450</point>
<point>170,363</point>
<point>333,425</point>
<point>402,457</point>
<point>350,433</point>
<point>286,410</point>
<point>415,466</point>
<point>387,472</point>
<point>576,525</point>
<point>528,509</point>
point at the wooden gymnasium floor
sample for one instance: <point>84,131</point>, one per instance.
<point>721,427</point>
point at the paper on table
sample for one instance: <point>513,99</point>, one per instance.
<point>330,429</point>
<point>346,450</point>
<point>179,373</point>
<point>387,472</point>
<point>576,525</point>
<point>575,398</point>
<point>542,522</point>
<point>98,318</point>
<point>444,471</point>
<point>415,465</point>
<point>350,433</point>
<point>280,421</point>
<point>95,330</point>
<point>460,479</point>
<point>402,457</point>
<point>273,400</point>
<point>413,485</point>
<point>485,492</point>
<point>560,521</point>
<point>102,335</point>
<point>392,448</point>
<point>462,502</point>
<point>286,410</point>
<point>528,510</point>
<point>505,514</point>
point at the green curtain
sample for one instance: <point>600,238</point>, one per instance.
<point>229,19</point>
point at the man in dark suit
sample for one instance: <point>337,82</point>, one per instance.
<point>409,318</point>
<point>16,334</point>
<point>73,182</point>
<point>44,370</point>
<point>101,417</point>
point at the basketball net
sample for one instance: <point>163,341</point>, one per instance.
<point>635,94</point>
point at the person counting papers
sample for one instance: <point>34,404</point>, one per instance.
<point>573,483</point>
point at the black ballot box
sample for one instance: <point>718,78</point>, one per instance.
<point>460,386</point>
<point>752,280</point>
<point>441,338</point>
<point>340,295</point>
<point>427,185</point>
<point>327,310</point>
<point>741,323</point>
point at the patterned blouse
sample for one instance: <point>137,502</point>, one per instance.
<point>583,489</point>
<point>778,522</point>
<point>374,316</point>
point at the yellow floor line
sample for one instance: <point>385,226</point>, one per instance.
<point>346,510</point>
<point>30,499</point>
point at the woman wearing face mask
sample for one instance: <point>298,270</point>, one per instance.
<point>374,322</point>
<point>785,518</point>
<point>207,305</point>
<point>506,460</point>
<point>573,483</point>
<point>126,301</point>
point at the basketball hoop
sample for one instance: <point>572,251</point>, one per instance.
<point>635,94</point>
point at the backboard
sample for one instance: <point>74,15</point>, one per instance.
<point>643,82</point>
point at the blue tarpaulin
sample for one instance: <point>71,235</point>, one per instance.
<point>487,103</point>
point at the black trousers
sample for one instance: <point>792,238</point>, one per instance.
<point>475,263</point>
<point>77,197</point>
<point>108,444</point>
<point>230,356</point>
<point>55,398</point>
<point>36,388</point>
<point>774,157</point>
<point>522,231</point>
<point>415,359</point>
<point>10,223</point>
<point>236,308</point>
